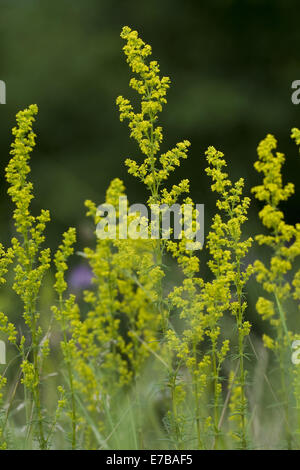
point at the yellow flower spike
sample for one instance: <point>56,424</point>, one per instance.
<point>283,239</point>
<point>32,262</point>
<point>228,252</point>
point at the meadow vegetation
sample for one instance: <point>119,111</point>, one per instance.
<point>140,360</point>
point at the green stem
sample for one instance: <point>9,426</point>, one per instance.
<point>283,331</point>
<point>35,350</point>
<point>242,381</point>
<point>197,404</point>
<point>42,440</point>
<point>216,395</point>
<point>70,379</point>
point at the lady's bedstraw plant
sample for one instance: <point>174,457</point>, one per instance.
<point>31,264</point>
<point>230,252</point>
<point>122,301</point>
<point>106,350</point>
<point>127,316</point>
<point>65,312</point>
<point>284,241</point>
<point>8,329</point>
<point>296,295</point>
<point>201,305</point>
<point>184,353</point>
<point>153,170</point>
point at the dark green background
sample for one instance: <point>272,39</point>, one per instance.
<point>231,62</point>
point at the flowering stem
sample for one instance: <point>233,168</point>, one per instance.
<point>241,356</point>
<point>283,331</point>
<point>196,395</point>
<point>216,394</point>
<point>70,377</point>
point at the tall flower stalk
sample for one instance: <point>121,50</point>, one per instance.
<point>153,171</point>
<point>284,243</point>
<point>234,208</point>
<point>8,329</point>
<point>64,314</point>
<point>32,262</point>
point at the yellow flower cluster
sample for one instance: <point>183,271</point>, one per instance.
<point>283,239</point>
<point>119,331</point>
<point>66,313</point>
<point>6,327</point>
<point>202,305</point>
<point>235,407</point>
<point>296,281</point>
<point>229,252</point>
<point>284,242</point>
<point>32,262</point>
<point>143,128</point>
